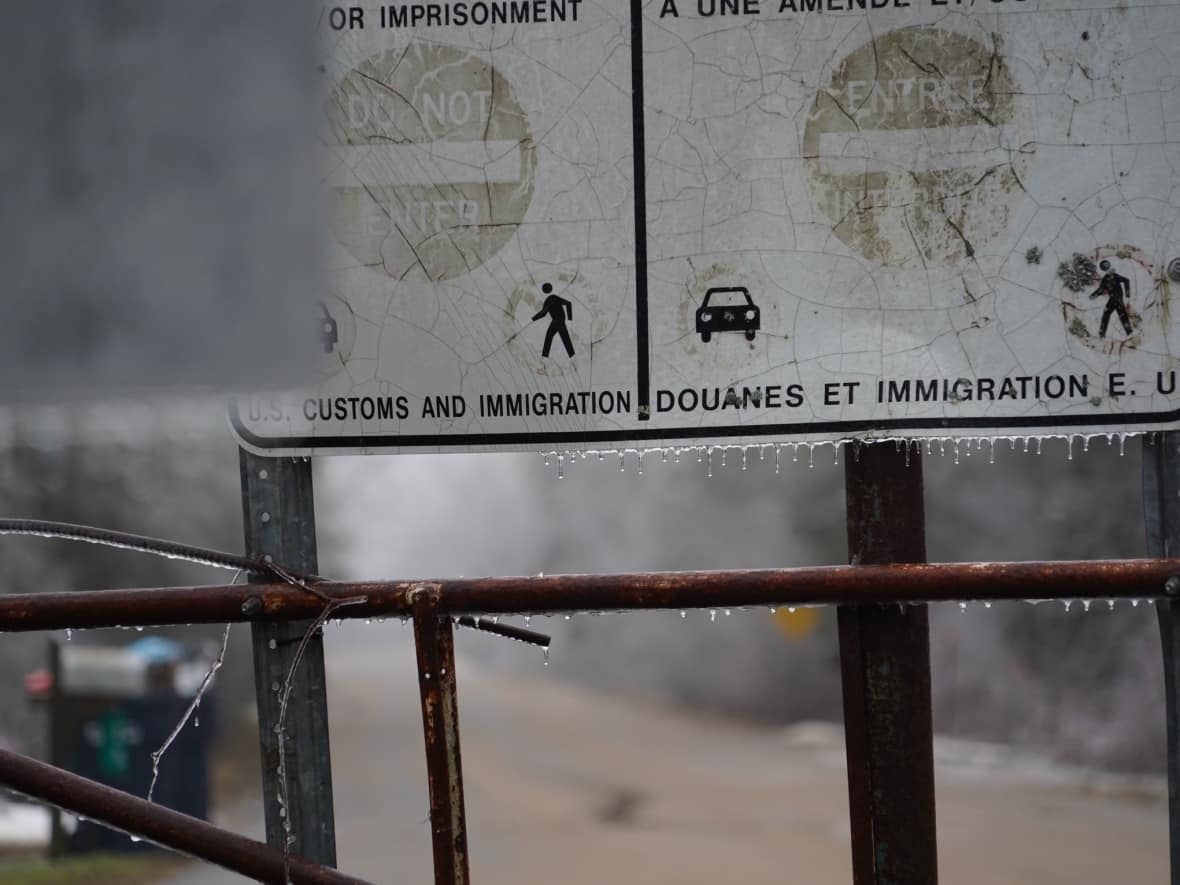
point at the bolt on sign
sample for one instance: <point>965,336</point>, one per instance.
<point>588,223</point>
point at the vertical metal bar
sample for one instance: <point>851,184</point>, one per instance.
<point>434,639</point>
<point>885,666</point>
<point>278,509</point>
<point>57,750</point>
<point>1161,517</point>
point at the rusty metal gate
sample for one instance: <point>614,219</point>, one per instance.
<point>881,601</point>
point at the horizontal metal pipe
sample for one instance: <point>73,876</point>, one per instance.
<point>165,827</point>
<point>881,584</point>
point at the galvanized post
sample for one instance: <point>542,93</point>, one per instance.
<point>434,639</point>
<point>278,509</point>
<point>885,665</point>
<point>1161,516</point>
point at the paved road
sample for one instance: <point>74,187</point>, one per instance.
<point>572,787</point>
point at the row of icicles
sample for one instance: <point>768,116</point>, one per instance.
<point>957,447</point>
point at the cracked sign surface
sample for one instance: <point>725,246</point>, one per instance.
<point>583,224</point>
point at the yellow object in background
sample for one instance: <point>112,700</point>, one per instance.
<point>797,623</point>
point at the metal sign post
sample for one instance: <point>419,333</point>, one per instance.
<point>1161,515</point>
<point>885,664</point>
<point>278,513</point>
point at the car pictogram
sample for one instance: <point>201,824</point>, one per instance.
<point>728,309</point>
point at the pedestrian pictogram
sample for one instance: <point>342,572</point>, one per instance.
<point>559,312</point>
<point>329,330</point>
<point>1115,287</point>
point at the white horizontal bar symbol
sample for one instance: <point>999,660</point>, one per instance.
<point>915,150</point>
<point>426,163</point>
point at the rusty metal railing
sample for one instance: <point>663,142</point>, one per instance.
<point>436,605</point>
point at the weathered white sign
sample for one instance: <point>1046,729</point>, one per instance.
<point>581,223</point>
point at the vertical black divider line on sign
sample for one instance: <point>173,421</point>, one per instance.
<point>643,369</point>
<point>1161,518</point>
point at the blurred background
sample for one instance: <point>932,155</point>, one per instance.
<point>1071,686</point>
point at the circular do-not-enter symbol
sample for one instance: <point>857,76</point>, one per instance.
<point>917,147</point>
<point>434,162</point>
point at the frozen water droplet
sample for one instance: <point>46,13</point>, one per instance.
<point>528,620</point>
<point>426,676</point>
<point>1134,603</point>
<point>545,662</point>
<point>712,615</point>
<point>987,603</point>
<point>791,610</point>
<point>683,614</point>
<point>728,613</point>
<point>1085,605</point>
<point>963,607</point>
<point>778,459</point>
<point>138,628</point>
<point>1067,603</point>
<point>773,610</point>
<point>69,634</point>
<point>135,838</point>
<point>1110,604</point>
<point>567,617</point>
<point>272,645</point>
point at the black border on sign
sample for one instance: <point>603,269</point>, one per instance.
<point>1096,424</point>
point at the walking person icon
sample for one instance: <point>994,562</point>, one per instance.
<point>1115,287</point>
<point>559,311</point>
